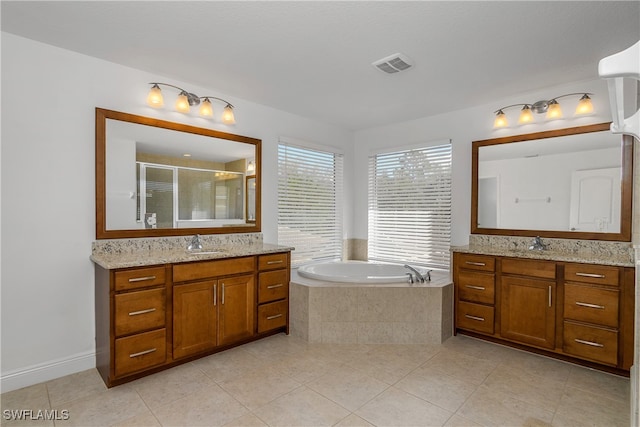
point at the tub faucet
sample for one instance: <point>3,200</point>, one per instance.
<point>537,245</point>
<point>419,276</point>
<point>195,243</point>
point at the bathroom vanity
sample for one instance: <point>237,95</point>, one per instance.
<point>564,306</point>
<point>159,309</point>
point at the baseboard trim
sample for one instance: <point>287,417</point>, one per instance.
<point>42,372</point>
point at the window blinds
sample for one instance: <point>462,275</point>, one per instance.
<point>310,202</point>
<point>410,206</point>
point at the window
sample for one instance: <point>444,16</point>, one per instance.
<point>410,206</point>
<point>309,202</point>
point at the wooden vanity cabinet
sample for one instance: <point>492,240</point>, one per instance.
<point>152,318</point>
<point>579,312</point>
<point>215,307</point>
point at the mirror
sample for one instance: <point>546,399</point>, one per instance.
<point>573,183</point>
<point>157,178</point>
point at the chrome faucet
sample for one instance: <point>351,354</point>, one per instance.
<point>420,277</point>
<point>537,245</point>
<point>195,244</point>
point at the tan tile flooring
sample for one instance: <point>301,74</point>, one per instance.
<point>283,381</point>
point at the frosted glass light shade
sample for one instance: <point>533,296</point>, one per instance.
<point>206,109</point>
<point>154,99</point>
<point>526,116</point>
<point>554,111</point>
<point>182,104</point>
<point>501,120</point>
<point>584,106</point>
<point>227,115</point>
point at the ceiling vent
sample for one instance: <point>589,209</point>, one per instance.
<point>393,63</point>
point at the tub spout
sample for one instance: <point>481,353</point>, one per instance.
<point>419,276</point>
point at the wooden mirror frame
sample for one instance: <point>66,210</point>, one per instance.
<point>626,187</point>
<point>101,143</point>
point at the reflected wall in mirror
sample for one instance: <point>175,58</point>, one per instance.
<point>571,183</point>
<point>251,198</point>
<point>158,178</point>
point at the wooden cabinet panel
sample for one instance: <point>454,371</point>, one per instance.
<point>528,311</point>
<point>590,342</point>
<point>140,352</point>
<point>273,286</point>
<point>272,261</point>
<point>236,309</point>
<point>272,315</point>
<point>529,267</point>
<point>596,274</point>
<point>139,278</point>
<point>591,304</point>
<point>476,286</point>
<point>140,310</point>
<point>210,269</point>
<point>477,262</point>
<point>194,318</point>
<point>475,317</point>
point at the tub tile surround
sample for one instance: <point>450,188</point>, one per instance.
<point>569,250</point>
<point>124,253</point>
<point>343,313</point>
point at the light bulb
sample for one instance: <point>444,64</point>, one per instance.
<point>501,120</point>
<point>251,167</point>
<point>206,109</point>
<point>584,106</point>
<point>554,111</point>
<point>227,115</point>
<point>182,104</point>
<point>526,116</point>
<point>154,99</point>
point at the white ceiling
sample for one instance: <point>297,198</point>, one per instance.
<point>314,58</point>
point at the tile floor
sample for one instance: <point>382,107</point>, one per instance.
<point>283,381</point>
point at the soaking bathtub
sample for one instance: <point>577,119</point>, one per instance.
<point>359,302</point>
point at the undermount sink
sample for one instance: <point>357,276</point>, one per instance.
<point>204,252</point>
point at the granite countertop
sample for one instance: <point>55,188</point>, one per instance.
<point>594,257</point>
<point>141,258</point>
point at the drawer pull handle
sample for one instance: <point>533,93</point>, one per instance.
<point>479,319</point>
<point>595,276</point>
<point>135,313</point>
<point>279,285</point>
<point>591,343</point>
<point>478,288</point>
<point>275,316</point>
<point>141,279</point>
<point>550,296</point>
<point>274,262</point>
<point>142,353</point>
<point>479,264</point>
<point>585,304</point>
<point>222,294</point>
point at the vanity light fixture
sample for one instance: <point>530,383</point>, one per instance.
<point>551,107</point>
<point>251,166</point>
<point>186,100</point>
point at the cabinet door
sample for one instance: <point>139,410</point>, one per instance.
<point>194,318</point>
<point>236,309</point>
<point>528,311</point>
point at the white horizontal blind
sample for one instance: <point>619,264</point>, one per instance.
<point>410,206</point>
<point>310,203</point>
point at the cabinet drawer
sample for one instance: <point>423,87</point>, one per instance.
<point>591,305</point>
<point>139,278</point>
<point>272,261</point>
<point>475,317</point>
<point>274,285</point>
<point>139,311</point>
<point>216,268</point>
<point>139,352</point>
<point>597,274</point>
<point>477,287</point>
<point>272,315</point>
<point>529,267</point>
<point>597,344</point>
<point>477,262</point>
